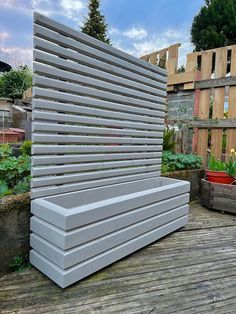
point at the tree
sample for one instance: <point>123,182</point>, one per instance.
<point>95,24</point>
<point>15,82</point>
<point>215,25</point>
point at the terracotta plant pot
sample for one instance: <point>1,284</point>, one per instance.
<point>219,177</point>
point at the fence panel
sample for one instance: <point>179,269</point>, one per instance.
<point>82,98</point>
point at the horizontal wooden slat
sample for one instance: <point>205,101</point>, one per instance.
<point>181,78</point>
<point>70,108</point>
<point>67,36</point>
<point>65,128</point>
<point>91,92</point>
<point>70,149</point>
<point>51,170</point>
<point>81,100</point>
<point>54,138</point>
<point>57,159</point>
<point>53,190</point>
<point>53,180</point>
<point>216,82</point>
<point>47,46</point>
<point>67,61</point>
<point>211,123</point>
<point>98,113</point>
<point>56,73</point>
<point>50,116</point>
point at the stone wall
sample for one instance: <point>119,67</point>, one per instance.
<point>14,229</point>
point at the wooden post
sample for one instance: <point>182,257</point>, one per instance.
<point>172,62</point>
<point>231,133</point>
<point>204,105</point>
<point>218,106</point>
<point>191,65</point>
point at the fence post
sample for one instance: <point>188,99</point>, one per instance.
<point>204,105</point>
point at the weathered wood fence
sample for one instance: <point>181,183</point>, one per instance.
<point>210,77</point>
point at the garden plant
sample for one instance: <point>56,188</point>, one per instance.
<point>222,172</point>
<point>14,171</point>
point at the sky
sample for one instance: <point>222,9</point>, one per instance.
<point>135,26</point>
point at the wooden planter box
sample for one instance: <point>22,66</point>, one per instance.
<point>218,196</point>
<point>97,133</point>
<point>76,234</point>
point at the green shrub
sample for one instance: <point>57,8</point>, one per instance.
<point>22,186</point>
<point>5,151</point>
<point>176,161</point>
<point>15,82</point>
<point>26,148</point>
<point>14,172</point>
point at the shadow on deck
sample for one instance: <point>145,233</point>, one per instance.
<point>190,271</point>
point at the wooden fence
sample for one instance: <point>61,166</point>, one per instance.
<point>211,77</point>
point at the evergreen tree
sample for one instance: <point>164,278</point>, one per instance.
<point>215,25</point>
<point>95,24</point>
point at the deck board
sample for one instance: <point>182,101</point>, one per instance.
<point>190,271</point>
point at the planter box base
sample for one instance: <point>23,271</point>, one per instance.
<point>218,196</point>
<point>72,241</point>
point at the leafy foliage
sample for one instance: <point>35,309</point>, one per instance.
<point>26,148</point>
<point>5,151</point>
<point>176,161</point>
<point>22,186</point>
<point>4,189</point>
<point>168,140</point>
<point>231,168</point>
<point>215,164</point>
<point>14,172</point>
<point>214,26</point>
<point>15,82</point>
<point>19,264</point>
<point>95,24</point>
<point>218,165</point>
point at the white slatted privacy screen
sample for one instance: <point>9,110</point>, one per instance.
<point>98,112</point>
<point>98,119</point>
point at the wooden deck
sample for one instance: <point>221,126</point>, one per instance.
<point>190,271</point>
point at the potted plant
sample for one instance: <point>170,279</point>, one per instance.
<point>222,172</point>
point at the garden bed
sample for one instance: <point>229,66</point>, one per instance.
<point>14,229</point>
<point>78,233</point>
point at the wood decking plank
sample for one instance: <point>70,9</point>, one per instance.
<point>190,271</point>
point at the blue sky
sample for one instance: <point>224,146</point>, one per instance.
<point>135,26</point>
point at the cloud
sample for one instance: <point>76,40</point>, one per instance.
<point>16,56</point>
<point>138,41</point>
<point>136,33</point>
<point>135,40</point>
<point>3,37</point>
<point>73,9</point>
